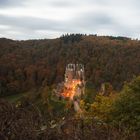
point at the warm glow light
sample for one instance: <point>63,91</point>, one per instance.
<point>71,91</point>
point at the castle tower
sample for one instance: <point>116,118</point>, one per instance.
<point>74,80</point>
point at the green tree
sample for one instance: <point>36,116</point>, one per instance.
<point>126,109</point>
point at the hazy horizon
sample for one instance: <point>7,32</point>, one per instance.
<point>43,38</point>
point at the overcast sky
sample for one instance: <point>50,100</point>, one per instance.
<point>33,19</point>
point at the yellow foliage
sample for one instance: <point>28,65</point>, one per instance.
<point>101,107</point>
<point>82,103</point>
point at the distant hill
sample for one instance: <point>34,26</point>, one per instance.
<point>28,64</point>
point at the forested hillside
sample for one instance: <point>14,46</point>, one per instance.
<point>29,64</point>
<point>30,72</point>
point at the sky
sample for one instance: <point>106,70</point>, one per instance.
<point>39,19</point>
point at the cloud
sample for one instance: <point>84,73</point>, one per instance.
<point>10,3</point>
<point>30,23</point>
<point>26,27</point>
<point>34,23</point>
<point>92,19</point>
<point>34,19</point>
<point>62,4</point>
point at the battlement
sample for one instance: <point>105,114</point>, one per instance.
<point>75,67</point>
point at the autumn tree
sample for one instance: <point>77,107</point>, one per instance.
<point>126,109</point>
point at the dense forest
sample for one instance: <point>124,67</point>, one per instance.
<point>30,71</point>
<point>28,64</point>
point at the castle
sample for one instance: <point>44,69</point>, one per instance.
<point>74,83</point>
